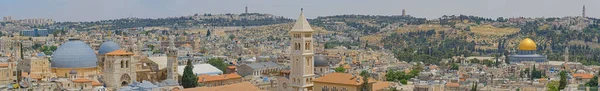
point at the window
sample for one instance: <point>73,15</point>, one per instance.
<point>324,88</point>
<point>122,64</point>
<point>344,89</point>
<point>307,35</point>
<point>307,45</point>
<point>127,64</point>
<point>334,89</point>
<point>306,80</point>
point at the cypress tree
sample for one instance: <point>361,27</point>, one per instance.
<point>189,79</point>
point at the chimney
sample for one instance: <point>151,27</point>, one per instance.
<point>358,80</point>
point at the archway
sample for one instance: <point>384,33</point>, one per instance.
<point>125,79</point>
<point>124,83</point>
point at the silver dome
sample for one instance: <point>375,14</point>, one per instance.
<point>321,61</point>
<point>108,46</point>
<point>74,54</point>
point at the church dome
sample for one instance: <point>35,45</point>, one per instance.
<point>74,54</point>
<point>527,45</point>
<point>321,61</point>
<point>108,46</point>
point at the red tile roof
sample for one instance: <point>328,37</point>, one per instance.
<point>341,78</point>
<point>244,86</point>
<point>583,76</point>
<point>208,78</point>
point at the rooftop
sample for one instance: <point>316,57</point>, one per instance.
<point>583,75</point>
<point>119,52</point>
<point>209,78</point>
<point>82,80</point>
<point>200,69</point>
<point>244,86</point>
<point>341,78</point>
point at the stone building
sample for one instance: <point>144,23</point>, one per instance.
<point>258,69</point>
<point>37,67</point>
<point>119,68</point>
<point>219,80</point>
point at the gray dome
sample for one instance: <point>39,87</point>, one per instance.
<point>321,61</point>
<point>108,46</point>
<point>74,54</point>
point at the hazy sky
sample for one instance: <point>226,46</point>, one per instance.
<point>90,10</point>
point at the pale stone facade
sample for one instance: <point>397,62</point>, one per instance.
<point>38,67</point>
<point>301,57</point>
<point>172,62</point>
<point>119,69</point>
<point>7,73</point>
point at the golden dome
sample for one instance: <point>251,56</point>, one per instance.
<point>527,44</point>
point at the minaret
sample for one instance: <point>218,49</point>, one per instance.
<point>583,12</point>
<point>172,60</point>
<point>301,56</point>
<point>246,9</point>
<point>567,59</point>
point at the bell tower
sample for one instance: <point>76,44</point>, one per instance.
<point>301,55</point>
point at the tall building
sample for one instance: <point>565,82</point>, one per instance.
<point>172,60</point>
<point>403,12</point>
<point>301,55</point>
<point>246,9</point>
<point>583,12</point>
<point>7,18</point>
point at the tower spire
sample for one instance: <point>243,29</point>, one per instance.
<point>583,12</point>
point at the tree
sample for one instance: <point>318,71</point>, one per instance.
<point>231,37</point>
<point>563,80</point>
<point>189,79</point>
<point>593,82</point>
<point>207,33</point>
<point>340,69</point>
<point>219,63</point>
<point>454,66</point>
<point>365,86</point>
<point>552,86</point>
<point>474,87</point>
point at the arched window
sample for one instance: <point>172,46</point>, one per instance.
<point>334,89</point>
<point>344,89</point>
<point>127,64</point>
<point>324,88</point>
<point>306,80</point>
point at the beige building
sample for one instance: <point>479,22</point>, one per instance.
<point>38,67</point>
<point>219,80</point>
<point>76,83</point>
<point>301,56</point>
<point>340,82</point>
<point>8,73</point>
<point>119,68</point>
<point>429,87</point>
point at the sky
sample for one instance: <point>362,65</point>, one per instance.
<point>93,10</point>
